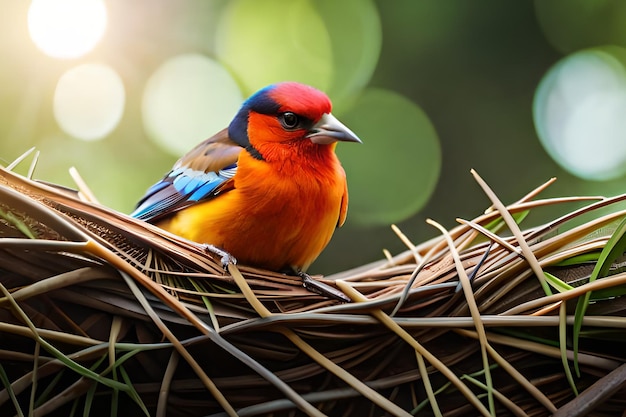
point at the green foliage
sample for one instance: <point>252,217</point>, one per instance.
<point>614,249</point>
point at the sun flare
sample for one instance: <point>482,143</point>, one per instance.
<point>66,28</point>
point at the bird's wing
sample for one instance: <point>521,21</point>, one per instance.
<point>343,209</point>
<point>199,175</point>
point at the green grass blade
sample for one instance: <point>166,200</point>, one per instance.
<point>91,392</point>
<point>614,248</point>
<point>68,362</point>
<point>563,345</point>
<point>426,401</point>
<point>608,293</point>
<point>132,392</point>
<point>43,397</point>
<point>115,395</point>
<point>74,407</point>
<point>207,303</point>
<point>580,259</point>
<point>18,224</point>
<point>33,390</point>
<point>556,283</point>
<point>524,335</point>
<point>496,225</point>
<point>7,385</point>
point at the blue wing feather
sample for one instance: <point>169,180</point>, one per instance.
<point>196,177</point>
<point>176,191</point>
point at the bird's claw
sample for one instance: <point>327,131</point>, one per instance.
<point>225,257</point>
<point>322,289</point>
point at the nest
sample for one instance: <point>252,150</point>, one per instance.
<point>101,314</point>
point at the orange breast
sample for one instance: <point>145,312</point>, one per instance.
<point>278,215</point>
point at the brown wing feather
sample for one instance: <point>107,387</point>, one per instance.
<point>199,175</point>
<point>211,155</point>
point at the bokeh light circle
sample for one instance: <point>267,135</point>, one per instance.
<point>274,40</point>
<point>187,99</point>
<point>571,25</point>
<point>394,172</point>
<point>579,110</point>
<point>66,28</point>
<point>89,101</point>
<point>355,33</point>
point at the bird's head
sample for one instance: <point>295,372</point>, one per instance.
<point>287,112</point>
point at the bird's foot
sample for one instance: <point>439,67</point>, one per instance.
<point>320,288</point>
<point>225,257</point>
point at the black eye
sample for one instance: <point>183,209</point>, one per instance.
<point>289,120</point>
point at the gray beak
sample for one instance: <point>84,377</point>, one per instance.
<point>330,130</point>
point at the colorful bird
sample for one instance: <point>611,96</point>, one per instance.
<point>269,189</point>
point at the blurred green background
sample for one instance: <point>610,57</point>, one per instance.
<point>519,91</point>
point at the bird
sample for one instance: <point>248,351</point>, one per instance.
<point>269,189</point>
